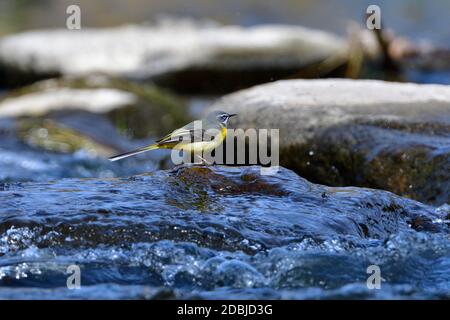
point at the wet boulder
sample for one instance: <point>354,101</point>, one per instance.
<point>205,205</point>
<point>201,231</point>
<point>392,136</point>
<point>231,57</point>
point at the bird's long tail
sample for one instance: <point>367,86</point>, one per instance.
<point>134,152</point>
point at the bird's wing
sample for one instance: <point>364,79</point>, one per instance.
<point>188,133</point>
<point>173,135</point>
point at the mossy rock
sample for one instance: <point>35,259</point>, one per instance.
<point>49,135</point>
<point>138,111</point>
<point>382,158</point>
<point>157,111</point>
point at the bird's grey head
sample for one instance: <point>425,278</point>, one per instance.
<point>220,116</point>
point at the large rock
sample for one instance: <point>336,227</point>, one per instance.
<point>185,55</point>
<point>376,134</point>
<point>218,232</point>
<point>75,113</point>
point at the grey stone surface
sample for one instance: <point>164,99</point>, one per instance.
<point>393,136</point>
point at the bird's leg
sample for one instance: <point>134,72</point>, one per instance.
<point>203,160</point>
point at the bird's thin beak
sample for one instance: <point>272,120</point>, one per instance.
<point>232,115</point>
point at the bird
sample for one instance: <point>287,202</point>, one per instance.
<point>196,137</point>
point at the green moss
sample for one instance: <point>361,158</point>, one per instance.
<point>48,135</point>
<point>156,112</point>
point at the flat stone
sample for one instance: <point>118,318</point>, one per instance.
<point>168,53</point>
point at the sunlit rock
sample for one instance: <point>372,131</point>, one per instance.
<point>186,55</point>
<point>392,136</point>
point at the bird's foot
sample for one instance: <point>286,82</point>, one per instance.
<point>203,161</point>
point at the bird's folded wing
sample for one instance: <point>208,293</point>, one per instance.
<point>184,136</point>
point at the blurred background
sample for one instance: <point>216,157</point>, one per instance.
<point>417,19</point>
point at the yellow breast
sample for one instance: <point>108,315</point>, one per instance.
<point>203,146</point>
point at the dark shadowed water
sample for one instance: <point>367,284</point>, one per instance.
<point>197,232</point>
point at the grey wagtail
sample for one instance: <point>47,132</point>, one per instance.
<point>198,136</point>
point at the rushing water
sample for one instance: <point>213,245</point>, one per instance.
<point>217,233</point>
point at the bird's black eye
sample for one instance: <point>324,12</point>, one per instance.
<point>223,117</point>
